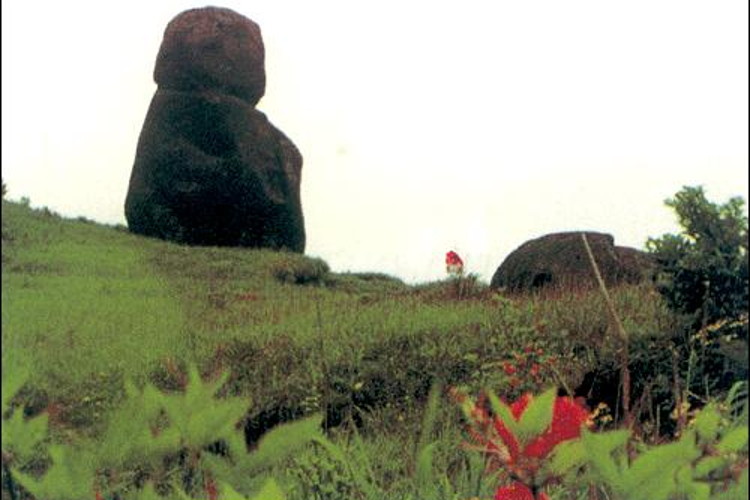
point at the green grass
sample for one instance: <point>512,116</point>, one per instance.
<point>87,306</point>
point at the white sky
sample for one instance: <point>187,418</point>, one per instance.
<point>424,126</point>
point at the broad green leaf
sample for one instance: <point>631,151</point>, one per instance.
<point>708,465</point>
<point>599,449</point>
<point>281,442</point>
<point>70,477</point>
<point>200,418</point>
<point>21,436</point>
<point>537,417</point>
<point>270,491</point>
<point>652,474</point>
<point>566,456</point>
<point>735,440</point>
<point>707,423</point>
<point>276,445</point>
<point>130,433</point>
<point>688,486</point>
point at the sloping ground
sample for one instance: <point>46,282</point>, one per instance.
<point>88,305</point>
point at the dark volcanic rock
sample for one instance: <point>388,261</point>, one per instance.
<point>559,260</point>
<point>210,169</point>
<point>212,48</point>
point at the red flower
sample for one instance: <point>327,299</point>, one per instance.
<point>453,258</point>
<point>517,491</point>
<point>453,263</point>
<point>509,368</point>
<point>567,419</point>
<point>520,462</point>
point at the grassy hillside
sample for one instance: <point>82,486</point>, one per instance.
<point>87,306</point>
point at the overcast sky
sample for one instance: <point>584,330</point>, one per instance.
<point>424,126</point>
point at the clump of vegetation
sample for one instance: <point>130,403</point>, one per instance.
<point>704,269</point>
<point>299,270</point>
<point>703,277</point>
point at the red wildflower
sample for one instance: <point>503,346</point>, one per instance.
<point>453,258</point>
<point>517,491</point>
<point>534,370</point>
<point>519,462</point>
<point>509,368</point>
<point>567,419</point>
<point>453,263</point>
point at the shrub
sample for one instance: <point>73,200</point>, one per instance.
<point>704,270</point>
<point>300,270</point>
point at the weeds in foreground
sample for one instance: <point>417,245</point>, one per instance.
<point>155,445</point>
<point>540,447</point>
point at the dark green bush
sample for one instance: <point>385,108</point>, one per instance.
<point>704,270</point>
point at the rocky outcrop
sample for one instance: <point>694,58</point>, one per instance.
<point>560,261</point>
<point>210,169</point>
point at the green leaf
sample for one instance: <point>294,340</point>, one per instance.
<point>276,445</point>
<point>14,376</point>
<point>21,436</point>
<point>270,491</point>
<point>599,449</point>
<point>226,492</point>
<point>70,477</point>
<point>735,440</point>
<point>707,423</point>
<point>652,474</point>
<point>200,418</point>
<point>565,457</point>
<point>503,412</point>
<point>537,417</point>
<point>708,465</point>
<point>425,477</point>
<point>688,486</point>
<point>430,414</point>
<point>281,442</point>
<point>130,433</point>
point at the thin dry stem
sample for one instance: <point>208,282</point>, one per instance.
<point>621,333</point>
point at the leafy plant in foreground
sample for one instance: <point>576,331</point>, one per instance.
<point>704,463</point>
<point>157,443</point>
<point>21,437</point>
<point>535,443</point>
<point>518,438</point>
